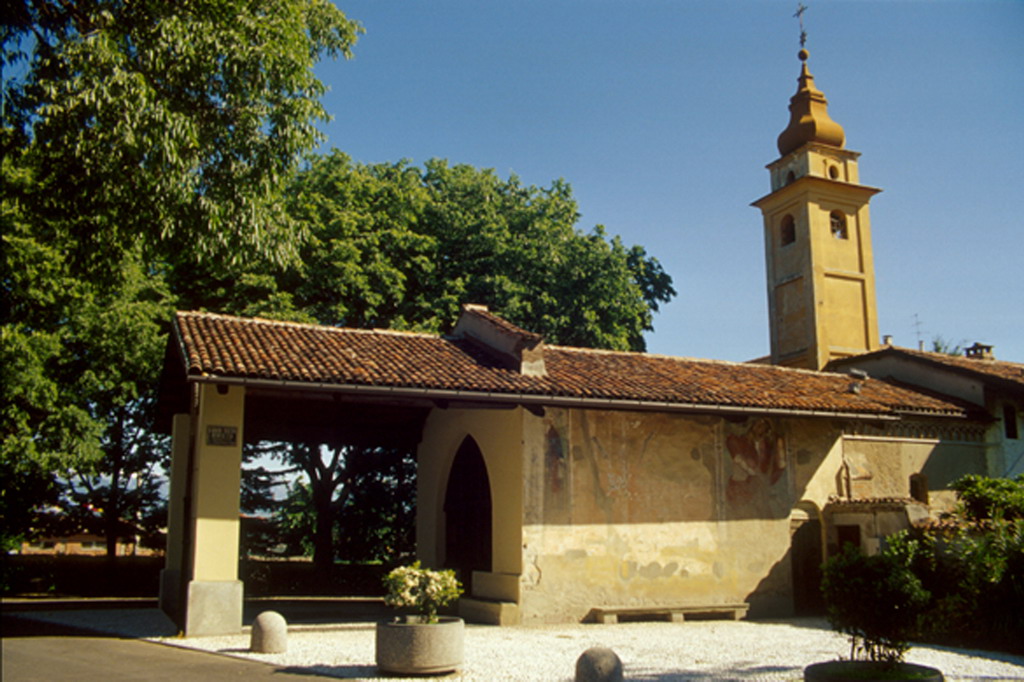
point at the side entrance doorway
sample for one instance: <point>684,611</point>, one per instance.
<point>468,514</point>
<point>806,556</point>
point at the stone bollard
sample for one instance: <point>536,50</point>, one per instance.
<point>598,664</point>
<point>269,634</point>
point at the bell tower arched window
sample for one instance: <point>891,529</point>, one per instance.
<point>787,230</point>
<point>838,223</point>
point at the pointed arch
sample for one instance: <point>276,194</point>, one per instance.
<point>468,514</point>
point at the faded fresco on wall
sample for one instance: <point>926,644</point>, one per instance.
<point>755,470</point>
<point>557,486</point>
<point>640,467</point>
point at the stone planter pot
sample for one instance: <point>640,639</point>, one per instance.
<point>409,646</point>
<point>869,671</point>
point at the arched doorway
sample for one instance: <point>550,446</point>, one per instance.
<point>806,557</point>
<point>467,514</point>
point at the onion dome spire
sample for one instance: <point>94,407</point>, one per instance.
<point>808,116</point>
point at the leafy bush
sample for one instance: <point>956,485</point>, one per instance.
<point>79,575</point>
<point>877,600</point>
<point>994,585</point>
<point>974,569</point>
<point>421,589</point>
<point>984,498</point>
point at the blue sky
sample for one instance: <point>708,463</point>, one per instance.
<point>662,116</point>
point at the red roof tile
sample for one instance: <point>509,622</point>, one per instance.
<point>219,346</point>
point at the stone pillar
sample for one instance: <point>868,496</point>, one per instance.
<point>214,599</point>
<point>171,575</point>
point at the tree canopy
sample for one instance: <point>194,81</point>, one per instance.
<point>133,132</point>
<point>393,245</point>
<point>166,123</point>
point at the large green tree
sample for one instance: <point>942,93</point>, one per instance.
<point>117,337</point>
<point>517,248</point>
<point>352,502</point>
<point>133,134</point>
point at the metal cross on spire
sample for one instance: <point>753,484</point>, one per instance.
<point>800,9</point>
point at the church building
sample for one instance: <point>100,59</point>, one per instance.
<point>572,484</point>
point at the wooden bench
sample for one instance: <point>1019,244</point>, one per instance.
<point>675,614</point>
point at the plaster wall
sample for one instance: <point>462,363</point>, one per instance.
<point>1002,452</point>
<point>174,561</point>
<point>839,254</point>
<point>818,160</point>
<point>650,508</point>
<point>499,435</point>
<point>181,425</point>
<point>882,467</point>
<point>844,276</point>
<point>609,508</point>
<point>845,298</point>
<point>1006,455</point>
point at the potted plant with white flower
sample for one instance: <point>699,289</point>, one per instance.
<point>420,641</point>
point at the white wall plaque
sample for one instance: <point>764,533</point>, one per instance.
<point>222,435</point>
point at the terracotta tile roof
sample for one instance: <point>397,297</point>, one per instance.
<point>1010,375</point>
<point>219,346</point>
<point>995,369</point>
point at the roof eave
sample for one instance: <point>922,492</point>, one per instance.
<point>546,400</point>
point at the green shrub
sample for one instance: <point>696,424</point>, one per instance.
<point>994,586</point>
<point>984,498</point>
<point>973,571</point>
<point>877,600</point>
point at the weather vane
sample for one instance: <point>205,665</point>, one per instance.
<point>800,9</point>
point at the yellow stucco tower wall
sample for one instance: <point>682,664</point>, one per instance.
<point>817,231</point>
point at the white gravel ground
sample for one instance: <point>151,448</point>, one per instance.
<point>695,650</point>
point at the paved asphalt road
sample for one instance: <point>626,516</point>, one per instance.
<point>34,650</point>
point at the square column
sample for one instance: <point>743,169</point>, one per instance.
<point>200,583</point>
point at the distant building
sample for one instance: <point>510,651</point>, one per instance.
<point>83,544</point>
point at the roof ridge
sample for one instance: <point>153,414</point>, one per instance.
<point>306,325</point>
<point>708,361</point>
<point>946,356</point>
<point>500,323</point>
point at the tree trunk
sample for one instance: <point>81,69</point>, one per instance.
<point>112,509</point>
<point>323,536</point>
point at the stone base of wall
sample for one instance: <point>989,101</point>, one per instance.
<point>486,612</point>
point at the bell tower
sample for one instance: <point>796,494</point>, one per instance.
<point>817,237</point>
